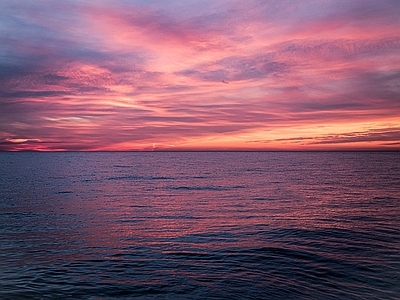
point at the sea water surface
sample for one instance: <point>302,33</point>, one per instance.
<point>200,225</point>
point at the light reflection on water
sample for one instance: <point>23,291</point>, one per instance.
<point>200,225</point>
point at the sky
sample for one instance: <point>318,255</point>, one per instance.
<point>199,75</point>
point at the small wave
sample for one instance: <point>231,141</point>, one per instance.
<point>200,188</point>
<point>134,177</point>
<point>121,166</point>
<point>274,252</point>
<point>383,199</point>
<point>190,254</point>
<point>264,198</point>
<point>160,178</point>
<point>206,188</point>
<point>131,177</point>
<point>64,192</point>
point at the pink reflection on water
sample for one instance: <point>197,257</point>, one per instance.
<point>168,218</point>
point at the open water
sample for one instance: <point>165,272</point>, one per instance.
<point>200,225</point>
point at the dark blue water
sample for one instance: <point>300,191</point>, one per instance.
<point>251,225</point>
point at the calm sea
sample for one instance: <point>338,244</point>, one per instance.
<point>200,225</point>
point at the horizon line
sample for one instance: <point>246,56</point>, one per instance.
<point>209,150</point>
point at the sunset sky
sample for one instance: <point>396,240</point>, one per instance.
<point>199,75</point>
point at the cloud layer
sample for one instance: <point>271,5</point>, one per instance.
<point>199,75</point>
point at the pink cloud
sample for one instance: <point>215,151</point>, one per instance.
<point>92,76</point>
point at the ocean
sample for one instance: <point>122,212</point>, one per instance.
<point>200,225</point>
